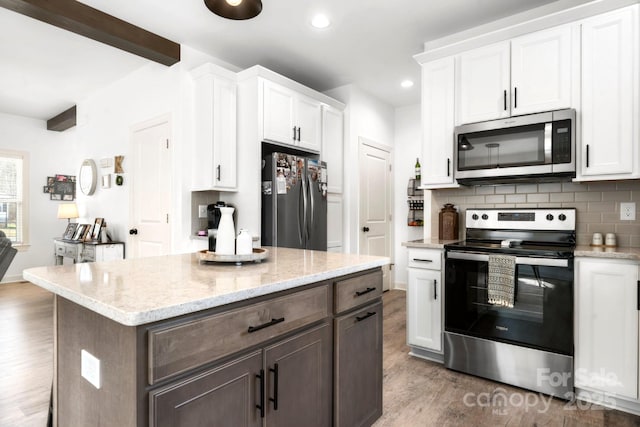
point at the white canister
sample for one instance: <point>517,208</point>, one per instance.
<point>244,243</point>
<point>226,241</point>
<point>610,239</point>
<point>597,239</point>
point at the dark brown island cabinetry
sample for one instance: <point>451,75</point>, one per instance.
<point>308,356</point>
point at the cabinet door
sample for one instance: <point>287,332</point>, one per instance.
<point>332,147</point>
<point>334,221</point>
<point>482,84</point>
<point>225,396</point>
<point>610,95</point>
<point>224,145</point>
<point>437,122</point>
<point>299,380</point>
<point>606,309</point>
<point>308,116</point>
<point>424,309</point>
<point>358,367</point>
<point>541,71</point>
<point>214,157</point>
<point>278,113</point>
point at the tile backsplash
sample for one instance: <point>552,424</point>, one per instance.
<point>597,205</point>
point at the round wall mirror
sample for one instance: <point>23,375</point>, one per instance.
<point>87,177</point>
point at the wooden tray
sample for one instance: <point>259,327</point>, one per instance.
<point>257,256</point>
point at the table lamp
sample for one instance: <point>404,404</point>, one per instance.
<point>68,211</point>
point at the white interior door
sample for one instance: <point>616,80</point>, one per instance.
<point>375,202</point>
<point>150,231</point>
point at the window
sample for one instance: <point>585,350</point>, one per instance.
<point>14,169</point>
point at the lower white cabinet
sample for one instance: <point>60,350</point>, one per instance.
<point>606,330</point>
<point>424,299</point>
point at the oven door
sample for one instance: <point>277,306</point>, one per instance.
<point>542,314</point>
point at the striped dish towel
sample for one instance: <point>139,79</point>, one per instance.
<point>501,280</point>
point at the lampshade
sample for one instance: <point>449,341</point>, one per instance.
<point>235,9</point>
<point>67,211</point>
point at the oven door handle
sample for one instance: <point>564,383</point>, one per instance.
<point>546,262</point>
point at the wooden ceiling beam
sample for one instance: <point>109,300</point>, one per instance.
<point>63,121</point>
<point>81,19</point>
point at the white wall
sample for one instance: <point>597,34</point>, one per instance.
<point>368,117</point>
<point>407,147</point>
<point>50,153</point>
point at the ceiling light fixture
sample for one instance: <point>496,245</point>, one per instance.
<point>320,21</point>
<point>235,9</point>
<point>406,84</point>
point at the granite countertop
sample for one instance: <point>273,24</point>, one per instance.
<point>606,252</point>
<point>144,290</point>
<point>432,243</point>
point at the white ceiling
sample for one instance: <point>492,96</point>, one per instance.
<point>370,43</point>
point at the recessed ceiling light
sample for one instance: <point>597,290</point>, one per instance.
<point>320,21</point>
<point>406,84</point>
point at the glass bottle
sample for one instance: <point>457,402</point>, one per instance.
<point>418,176</point>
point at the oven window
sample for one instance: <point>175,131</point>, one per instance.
<point>542,314</point>
<point>518,146</point>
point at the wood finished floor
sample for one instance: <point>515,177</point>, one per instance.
<point>416,392</point>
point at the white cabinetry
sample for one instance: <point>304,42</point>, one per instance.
<point>290,117</point>
<point>610,96</point>
<point>437,123</point>
<point>606,338</point>
<point>214,115</point>
<point>528,74</point>
<point>335,229</point>
<point>332,147</point>
<point>424,302</point>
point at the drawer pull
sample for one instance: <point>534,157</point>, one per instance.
<point>265,325</point>
<point>274,399</point>
<point>261,405</point>
<point>366,291</point>
<point>369,314</point>
<point>422,260</point>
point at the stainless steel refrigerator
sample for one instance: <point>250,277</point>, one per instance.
<point>294,202</point>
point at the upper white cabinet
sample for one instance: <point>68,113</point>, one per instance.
<point>527,74</point>
<point>214,118</point>
<point>610,96</point>
<point>290,117</point>
<point>606,330</point>
<point>332,147</point>
<point>437,123</point>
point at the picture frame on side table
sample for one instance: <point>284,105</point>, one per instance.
<point>70,231</point>
<point>95,230</point>
<point>81,232</point>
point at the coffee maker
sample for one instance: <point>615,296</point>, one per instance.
<point>213,220</point>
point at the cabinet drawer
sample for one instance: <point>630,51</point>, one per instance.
<point>60,250</point>
<point>89,253</point>
<point>425,258</point>
<point>185,346</point>
<point>71,251</point>
<point>357,290</point>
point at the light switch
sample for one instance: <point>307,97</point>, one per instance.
<point>202,211</point>
<point>90,368</point>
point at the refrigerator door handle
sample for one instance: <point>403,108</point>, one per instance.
<point>312,220</point>
<point>301,221</point>
<point>304,205</point>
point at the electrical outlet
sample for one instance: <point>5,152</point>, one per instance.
<point>90,368</point>
<point>202,211</point>
<point>628,211</point>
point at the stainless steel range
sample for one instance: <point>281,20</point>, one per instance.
<point>509,298</point>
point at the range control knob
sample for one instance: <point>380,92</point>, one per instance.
<point>562,217</point>
<point>485,217</point>
<point>474,217</point>
<point>549,217</point>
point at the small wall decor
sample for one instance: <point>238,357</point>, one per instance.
<point>118,164</point>
<point>88,177</point>
<point>61,187</point>
<point>106,181</point>
<point>119,180</point>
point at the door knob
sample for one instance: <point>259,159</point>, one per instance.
<point>133,231</point>
<point>365,229</point>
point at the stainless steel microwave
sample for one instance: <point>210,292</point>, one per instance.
<point>532,148</point>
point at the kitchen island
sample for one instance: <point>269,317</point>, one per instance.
<point>293,340</point>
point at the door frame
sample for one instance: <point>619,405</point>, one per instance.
<point>136,127</point>
<point>362,141</point>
